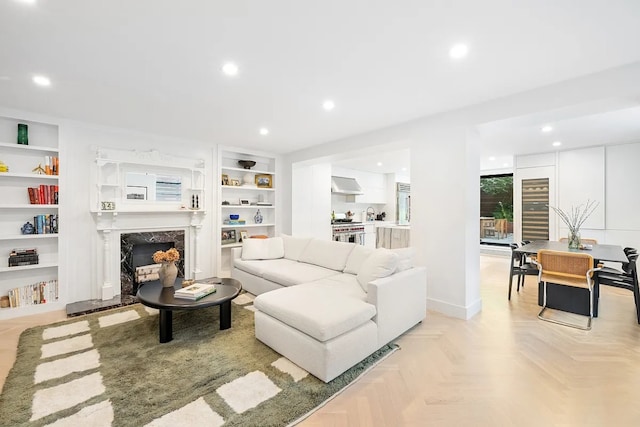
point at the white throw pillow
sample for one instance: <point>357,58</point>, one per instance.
<point>357,256</point>
<point>381,263</point>
<point>405,258</point>
<point>294,246</point>
<point>271,248</point>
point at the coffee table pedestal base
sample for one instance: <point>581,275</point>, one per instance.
<point>166,321</point>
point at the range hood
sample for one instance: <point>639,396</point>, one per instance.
<point>343,185</point>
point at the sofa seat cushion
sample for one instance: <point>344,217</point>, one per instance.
<point>343,284</point>
<point>295,273</point>
<point>258,267</point>
<point>315,310</point>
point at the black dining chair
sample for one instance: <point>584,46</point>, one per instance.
<point>627,279</point>
<point>521,267</point>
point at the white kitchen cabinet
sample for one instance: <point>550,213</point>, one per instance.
<point>370,235</point>
<point>243,192</point>
<point>16,210</point>
<point>374,185</point>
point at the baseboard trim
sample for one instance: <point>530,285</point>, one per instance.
<point>452,310</point>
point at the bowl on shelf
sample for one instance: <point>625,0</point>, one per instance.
<point>234,216</point>
<point>247,164</point>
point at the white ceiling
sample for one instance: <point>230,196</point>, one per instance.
<point>154,65</point>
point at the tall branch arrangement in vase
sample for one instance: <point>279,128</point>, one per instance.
<point>574,218</point>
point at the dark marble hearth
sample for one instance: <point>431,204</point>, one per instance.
<point>94,305</point>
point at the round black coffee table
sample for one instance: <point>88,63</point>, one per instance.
<point>152,294</point>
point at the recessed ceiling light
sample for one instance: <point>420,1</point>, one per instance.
<point>458,51</point>
<point>546,129</point>
<point>328,105</point>
<point>230,69</point>
<point>404,169</point>
<point>264,131</point>
<point>379,163</point>
<point>42,80</point>
<point>556,143</point>
<point>492,158</point>
<point>27,1</point>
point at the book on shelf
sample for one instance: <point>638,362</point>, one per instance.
<point>235,222</point>
<point>43,195</point>
<point>34,294</point>
<point>195,291</point>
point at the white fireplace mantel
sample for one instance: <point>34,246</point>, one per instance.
<point>111,225</point>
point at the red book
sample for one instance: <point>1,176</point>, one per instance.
<point>41,199</point>
<point>32,197</point>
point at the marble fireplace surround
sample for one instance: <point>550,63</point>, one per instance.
<point>162,224</point>
<point>129,241</point>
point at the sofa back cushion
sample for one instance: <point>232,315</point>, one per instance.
<point>381,263</point>
<point>356,258</point>
<point>293,246</point>
<point>405,258</point>
<point>271,248</point>
<point>327,253</point>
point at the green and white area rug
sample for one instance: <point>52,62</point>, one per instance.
<point>108,369</point>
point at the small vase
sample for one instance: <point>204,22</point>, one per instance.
<point>258,217</point>
<point>574,240</point>
<point>23,134</point>
<point>168,273</point>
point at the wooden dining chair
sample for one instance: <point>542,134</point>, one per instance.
<point>569,269</point>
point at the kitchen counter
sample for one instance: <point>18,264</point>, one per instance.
<point>393,236</point>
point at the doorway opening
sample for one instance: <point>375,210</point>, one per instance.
<point>496,209</point>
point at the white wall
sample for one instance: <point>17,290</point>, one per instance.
<point>311,200</point>
<point>605,174</point>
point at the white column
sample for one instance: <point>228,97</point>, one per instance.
<point>107,286</point>
<point>445,205</point>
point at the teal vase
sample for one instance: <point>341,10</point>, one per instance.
<point>23,134</point>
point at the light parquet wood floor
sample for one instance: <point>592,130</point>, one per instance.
<point>503,367</point>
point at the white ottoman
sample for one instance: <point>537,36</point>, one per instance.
<point>321,331</point>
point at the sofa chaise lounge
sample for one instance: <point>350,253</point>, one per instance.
<point>327,305</point>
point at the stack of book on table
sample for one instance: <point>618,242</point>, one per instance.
<point>195,291</point>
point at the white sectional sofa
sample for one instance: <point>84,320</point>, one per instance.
<point>327,305</point>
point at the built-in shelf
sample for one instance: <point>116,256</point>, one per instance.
<point>28,206</point>
<point>246,188</point>
<point>244,171</point>
<point>37,176</point>
<point>246,226</point>
<point>29,147</point>
<point>232,245</point>
<point>30,236</point>
<point>247,207</point>
<point>29,267</point>
<point>16,209</point>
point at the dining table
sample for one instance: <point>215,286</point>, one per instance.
<point>569,298</point>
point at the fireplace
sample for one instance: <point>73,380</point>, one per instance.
<point>136,249</point>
